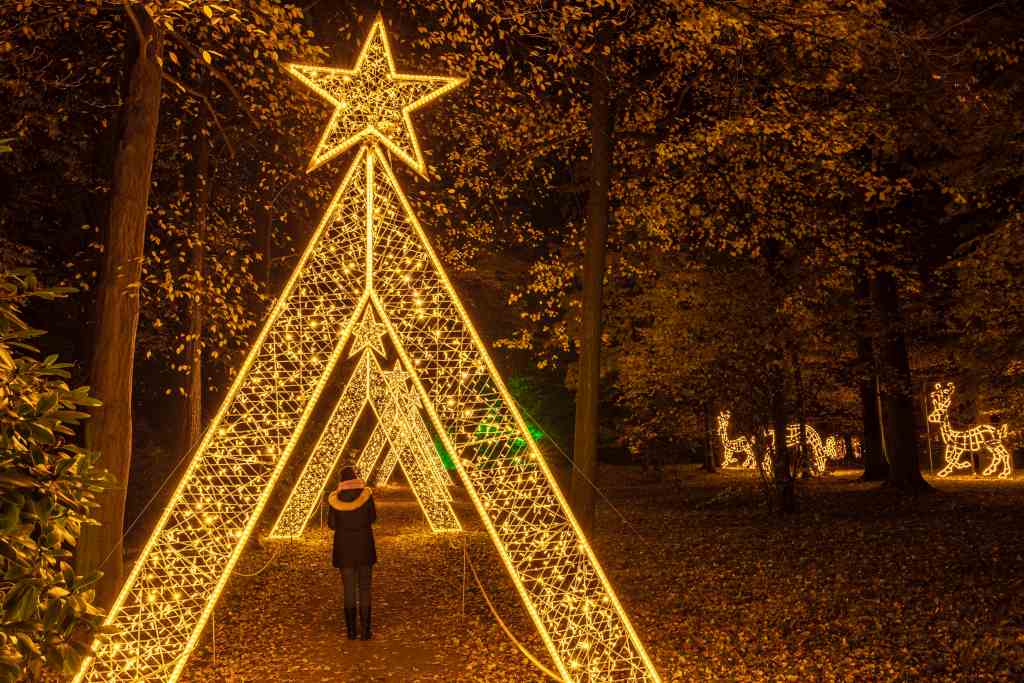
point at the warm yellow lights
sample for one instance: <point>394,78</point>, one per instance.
<point>370,454</point>
<point>818,456</point>
<point>369,261</point>
<point>239,458</point>
<point>961,442</point>
<point>732,447</point>
<point>371,101</point>
<point>835,448</point>
<point>366,334</point>
<point>394,420</point>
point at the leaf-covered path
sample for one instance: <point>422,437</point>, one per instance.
<point>862,585</point>
<point>286,624</point>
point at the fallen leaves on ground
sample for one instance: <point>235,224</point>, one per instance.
<point>863,584</point>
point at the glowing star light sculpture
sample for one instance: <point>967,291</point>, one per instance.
<point>368,252</point>
<point>959,442</point>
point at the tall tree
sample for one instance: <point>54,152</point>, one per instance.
<point>117,300</point>
<point>588,388</point>
<point>200,196</point>
<point>876,467</point>
<point>900,427</point>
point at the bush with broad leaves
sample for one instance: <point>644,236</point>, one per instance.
<point>47,490</point>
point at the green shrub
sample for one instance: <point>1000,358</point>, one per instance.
<point>47,490</point>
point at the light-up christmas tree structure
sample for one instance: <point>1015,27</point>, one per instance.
<point>399,426</point>
<point>368,261</point>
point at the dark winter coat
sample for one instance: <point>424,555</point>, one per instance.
<point>351,513</point>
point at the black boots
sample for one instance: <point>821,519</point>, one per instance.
<point>364,616</point>
<point>350,622</point>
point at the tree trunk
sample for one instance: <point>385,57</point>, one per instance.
<point>710,463</point>
<point>876,468</point>
<point>200,196</point>
<point>803,454</point>
<point>897,392</point>
<point>117,304</point>
<point>588,386</point>
<point>785,485</point>
<point>782,469</point>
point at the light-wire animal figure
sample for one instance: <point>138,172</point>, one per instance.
<point>835,448</point>
<point>730,447</point>
<point>960,442</point>
<point>745,445</point>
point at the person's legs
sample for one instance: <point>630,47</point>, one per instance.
<point>348,580</point>
<point>365,580</point>
<point>365,585</point>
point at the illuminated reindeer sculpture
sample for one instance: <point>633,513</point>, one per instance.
<point>745,445</point>
<point>964,441</point>
<point>730,447</point>
<point>835,448</point>
<point>818,456</point>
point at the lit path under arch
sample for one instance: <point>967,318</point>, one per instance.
<point>293,610</point>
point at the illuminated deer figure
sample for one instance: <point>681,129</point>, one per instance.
<point>818,456</point>
<point>740,444</point>
<point>964,441</point>
<point>835,448</point>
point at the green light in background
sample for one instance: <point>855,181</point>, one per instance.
<point>518,443</point>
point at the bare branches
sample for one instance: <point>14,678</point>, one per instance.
<point>209,107</point>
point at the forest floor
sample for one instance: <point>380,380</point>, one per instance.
<point>863,584</point>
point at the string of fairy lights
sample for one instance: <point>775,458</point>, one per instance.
<point>959,443</point>
<point>394,428</point>
<point>369,254</point>
<point>832,448</point>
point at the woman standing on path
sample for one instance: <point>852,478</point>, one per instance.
<point>351,515</point>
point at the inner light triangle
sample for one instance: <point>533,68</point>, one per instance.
<point>399,423</point>
<point>368,252</point>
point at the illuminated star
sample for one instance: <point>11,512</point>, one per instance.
<point>372,101</point>
<point>367,333</point>
<point>412,397</point>
<point>396,378</point>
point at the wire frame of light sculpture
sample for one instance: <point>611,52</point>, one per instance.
<point>398,414</point>
<point>855,444</point>
<point>835,448</point>
<point>817,458</point>
<point>731,447</point>
<point>383,474</point>
<point>742,445</point>
<point>961,442</point>
<point>369,246</point>
<point>426,485</point>
<point>370,455</point>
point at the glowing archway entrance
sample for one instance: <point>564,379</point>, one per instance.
<point>399,425</point>
<point>369,250</point>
